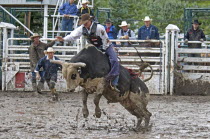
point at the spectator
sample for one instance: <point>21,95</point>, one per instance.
<point>36,52</point>
<point>85,9</point>
<point>110,30</point>
<point>50,72</point>
<point>148,31</point>
<point>195,34</point>
<point>125,33</point>
<point>68,9</point>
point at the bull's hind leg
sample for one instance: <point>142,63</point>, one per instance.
<point>142,113</point>
<point>84,101</point>
<point>137,107</point>
<point>141,108</point>
<point>96,102</point>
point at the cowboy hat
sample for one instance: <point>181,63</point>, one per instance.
<point>146,18</point>
<point>85,2</point>
<point>107,21</point>
<point>196,22</point>
<point>35,35</point>
<point>123,24</point>
<point>49,50</point>
<point>85,18</point>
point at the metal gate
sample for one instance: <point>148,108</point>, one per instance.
<point>188,68</point>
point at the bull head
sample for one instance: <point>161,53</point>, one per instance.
<point>70,73</point>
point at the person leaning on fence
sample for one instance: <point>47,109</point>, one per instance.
<point>68,9</point>
<point>49,72</point>
<point>126,34</point>
<point>195,34</point>
<point>85,9</point>
<point>96,35</point>
<point>110,30</point>
<point>36,52</point>
<point>148,32</point>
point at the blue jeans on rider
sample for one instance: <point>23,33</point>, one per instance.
<point>67,24</point>
<point>115,81</point>
<point>115,66</point>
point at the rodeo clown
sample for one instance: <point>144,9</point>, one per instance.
<point>97,36</point>
<point>49,72</point>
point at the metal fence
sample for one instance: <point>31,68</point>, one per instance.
<point>16,75</point>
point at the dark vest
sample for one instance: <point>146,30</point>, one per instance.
<point>129,32</point>
<point>194,35</point>
<point>92,38</point>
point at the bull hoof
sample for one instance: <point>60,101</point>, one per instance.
<point>143,129</point>
<point>55,98</point>
<point>98,113</point>
<point>85,113</point>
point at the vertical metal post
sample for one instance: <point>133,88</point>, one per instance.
<point>166,61</point>
<point>4,61</point>
<point>163,68</point>
<point>45,21</point>
<point>172,63</point>
<point>171,42</point>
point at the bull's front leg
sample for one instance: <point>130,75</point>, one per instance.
<point>96,102</point>
<point>84,101</point>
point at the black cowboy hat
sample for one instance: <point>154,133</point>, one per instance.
<point>108,21</point>
<point>196,22</point>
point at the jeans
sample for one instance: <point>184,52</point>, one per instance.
<point>34,76</point>
<point>67,24</point>
<point>115,66</point>
<point>51,81</point>
<point>115,81</point>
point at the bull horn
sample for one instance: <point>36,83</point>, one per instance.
<point>57,62</point>
<point>80,64</point>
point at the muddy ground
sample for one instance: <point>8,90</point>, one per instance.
<point>24,116</point>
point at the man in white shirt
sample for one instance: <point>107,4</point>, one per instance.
<point>125,33</point>
<point>97,36</point>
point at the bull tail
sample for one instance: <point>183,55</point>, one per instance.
<point>144,66</point>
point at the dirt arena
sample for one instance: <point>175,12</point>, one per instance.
<point>24,116</point>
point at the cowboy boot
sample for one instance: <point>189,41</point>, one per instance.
<point>40,87</point>
<point>34,86</point>
<point>54,94</point>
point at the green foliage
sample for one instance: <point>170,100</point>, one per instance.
<point>163,12</point>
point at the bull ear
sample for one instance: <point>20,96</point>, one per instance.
<point>77,65</point>
<point>57,62</point>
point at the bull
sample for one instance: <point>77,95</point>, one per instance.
<point>88,69</point>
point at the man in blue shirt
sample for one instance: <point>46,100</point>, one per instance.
<point>110,30</point>
<point>49,72</point>
<point>68,9</point>
<point>148,31</point>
